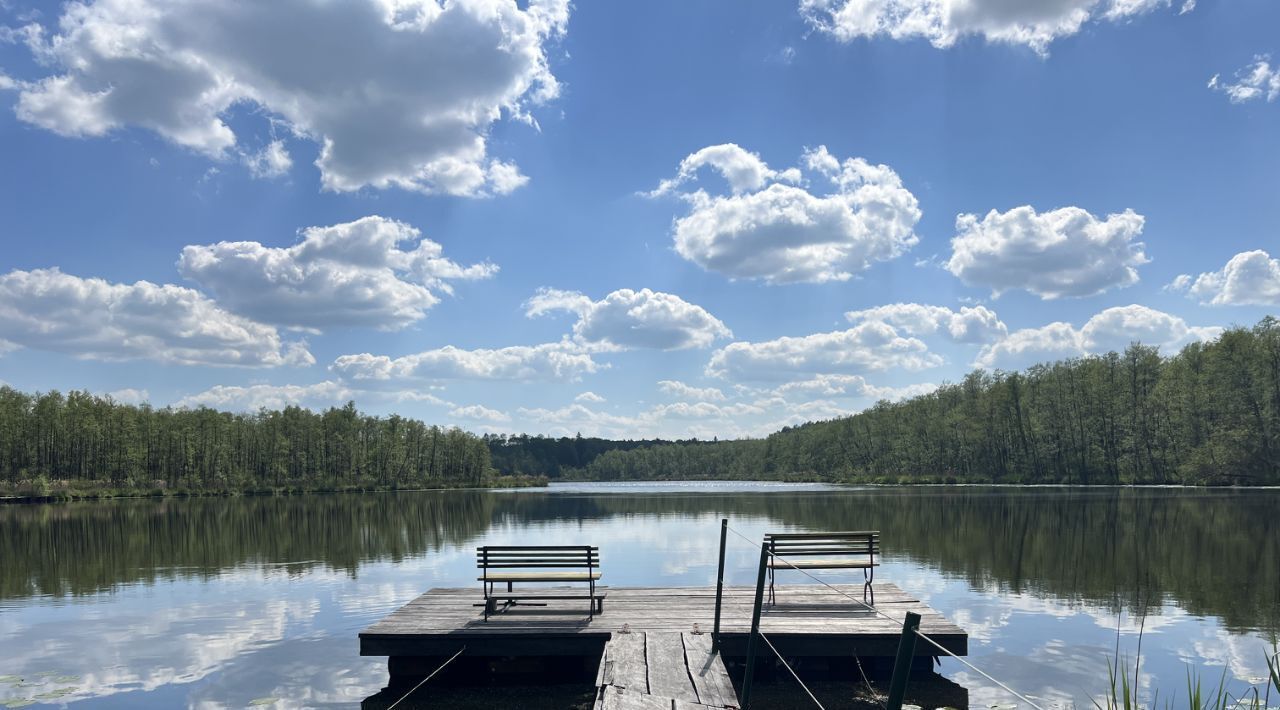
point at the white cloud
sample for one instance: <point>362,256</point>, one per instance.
<point>480,413</point>
<point>264,396</point>
<point>130,395</point>
<point>742,169</point>
<point>589,398</point>
<point>396,94</point>
<point>1257,81</point>
<point>564,361</point>
<point>848,386</point>
<point>351,274</point>
<point>968,325</point>
<point>329,393</point>
<point>271,162</point>
<point>681,390</point>
<point>866,347</point>
<point>633,319</point>
<point>1250,278</point>
<point>46,309</point>
<point>1032,23</point>
<point>768,227</point>
<point>1111,329</point>
<point>1065,252</point>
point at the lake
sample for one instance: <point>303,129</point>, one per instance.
<point>218,602</point>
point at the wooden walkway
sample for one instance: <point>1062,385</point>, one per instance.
<point>662,670</point>
<point>808,620</point>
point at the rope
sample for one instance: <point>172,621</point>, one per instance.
<point>424,680</point>
<point>792,672</point>
<point>919,633</point>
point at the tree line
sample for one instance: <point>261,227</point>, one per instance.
<point>1208,415</point>
<point>554,456</point>
<point>95,441</point>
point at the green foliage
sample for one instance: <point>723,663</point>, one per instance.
<point>80,445</point>
<point>1121,694</point>
<point>1209,415</point>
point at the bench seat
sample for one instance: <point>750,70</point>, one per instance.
<point>820,564</point>
<point>539,577</point>
<point>825,550</point>
<point>512,565</point>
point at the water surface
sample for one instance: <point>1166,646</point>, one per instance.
<point>221,602</point>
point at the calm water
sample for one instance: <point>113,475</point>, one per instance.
<point>218,602</point>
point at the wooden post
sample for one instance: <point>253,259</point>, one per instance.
<point>755,630</point>
<point>902,663</point>
<point>715,634</point>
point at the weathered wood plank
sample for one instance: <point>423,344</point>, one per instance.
<point>615,698</point>
<point>626,662</point>
<point>710,678</point>
<point>668,671</point>
<point>810,619</point>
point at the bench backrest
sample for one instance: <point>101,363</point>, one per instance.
<point>537,556</point>
<point>828,544</point>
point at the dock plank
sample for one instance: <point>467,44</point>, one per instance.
<point>706,670</point>
<point>626,665</point>
<point>807,620</point>
<point>668,670</point>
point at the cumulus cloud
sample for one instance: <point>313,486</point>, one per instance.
<point>633,319</point>
<point>480,413</point>
<point>1250,278</point>
<point>264,396</point>
<point>1066,252</point>
<point>46,309</point>
<point>1259,80</point>
<point>772,228</point>
<point>1032,23</point>
<point>396,94</point>
<point>563,361</point>
<point>589,398</point>
<point>130,395</point>
<point>848,386</point>
<point>1111,329</point>
<point>968,325</point>
<point>271,162</point>
<point>681,390</point>
<point>866,347</point>
<point>373,272</point>
<point>329,393</point>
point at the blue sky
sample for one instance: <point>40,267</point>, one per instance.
<point>478,214</point>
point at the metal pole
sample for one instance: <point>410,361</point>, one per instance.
<point>902,663</point>
<point>755,631</point>
<point>715,634</point>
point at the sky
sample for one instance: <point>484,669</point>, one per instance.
<point>674,219</point>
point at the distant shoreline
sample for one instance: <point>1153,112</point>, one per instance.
<point>72,491</point>
<point>519,482</point>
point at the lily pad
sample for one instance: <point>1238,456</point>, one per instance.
<point>259,702</point>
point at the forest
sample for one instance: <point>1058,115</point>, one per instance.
<point>55,444</point>
<point>1207,415</point>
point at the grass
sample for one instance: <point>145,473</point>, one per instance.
<point>1122,694</point>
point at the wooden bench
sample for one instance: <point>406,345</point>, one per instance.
<point>825,550</point>
<point>538,563</point>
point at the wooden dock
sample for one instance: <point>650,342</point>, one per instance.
<point>662,670</point>
<point>807,620</point>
